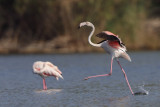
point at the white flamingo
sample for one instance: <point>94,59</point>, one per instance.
<point>112,45</point>
<point>45,69</point>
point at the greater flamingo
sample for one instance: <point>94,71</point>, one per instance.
<point>45,69</point>
<point>112,45</point>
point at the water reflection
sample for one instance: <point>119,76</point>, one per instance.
<point>49,91</point>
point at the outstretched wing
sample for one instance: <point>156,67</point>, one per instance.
<point>110,37</point>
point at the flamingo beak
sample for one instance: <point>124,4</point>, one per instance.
<point>79,27</point>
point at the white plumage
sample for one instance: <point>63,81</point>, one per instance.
<point>113,45</point>
<point>45,69</point>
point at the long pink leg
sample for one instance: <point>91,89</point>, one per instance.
<point>44,84</point>
<point>102,74</point>
<point>125,77</point>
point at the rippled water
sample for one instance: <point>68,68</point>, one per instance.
<point>19,87</point>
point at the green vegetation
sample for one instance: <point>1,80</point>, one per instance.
<point>50,26</point>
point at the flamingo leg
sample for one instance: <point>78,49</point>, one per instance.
<point>44,84</point>
<point>102,74</point>
<point>125,77</point>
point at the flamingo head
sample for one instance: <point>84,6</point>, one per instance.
<point>38,66</point>
<point>85,23</point>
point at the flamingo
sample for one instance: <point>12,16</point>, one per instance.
<point>113,45</point>
<point>45,69</point>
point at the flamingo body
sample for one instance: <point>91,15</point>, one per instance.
<point>115,50</point>
<point>45,69</point>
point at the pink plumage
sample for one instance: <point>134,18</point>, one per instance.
<point>113,45</point>
<point>110,33</point>
<point>45,69</point>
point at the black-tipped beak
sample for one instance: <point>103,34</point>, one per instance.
<point>79,27</point>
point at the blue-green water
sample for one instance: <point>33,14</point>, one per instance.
<point>19,87</point>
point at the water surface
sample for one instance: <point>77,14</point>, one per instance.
<point>19,87</point>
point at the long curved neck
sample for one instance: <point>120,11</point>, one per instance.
<point>89,38</point>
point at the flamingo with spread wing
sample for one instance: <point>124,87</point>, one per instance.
<point>113,45</point>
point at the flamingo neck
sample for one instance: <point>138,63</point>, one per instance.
<point>89,38</point>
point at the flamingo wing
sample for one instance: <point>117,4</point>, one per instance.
<point>54,67</point>
<point>110,37</point>
<point>51,70</point>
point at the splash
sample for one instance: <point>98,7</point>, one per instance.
<point>142,88</point>
<point>142,92</point>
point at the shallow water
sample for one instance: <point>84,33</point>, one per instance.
<point>19,87</point>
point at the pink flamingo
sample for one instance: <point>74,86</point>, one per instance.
<point>112,45</point>
<point>45,69</point>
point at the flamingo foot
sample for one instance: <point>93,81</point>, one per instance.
<point>45,88</point>
<point>86,78</point>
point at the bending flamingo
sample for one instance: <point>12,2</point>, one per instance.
<point>45,69</point>
<point>112,45</point>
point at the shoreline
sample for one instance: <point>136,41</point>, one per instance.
<point>62,51</point>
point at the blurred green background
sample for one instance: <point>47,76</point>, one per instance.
<point>50,26</point>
